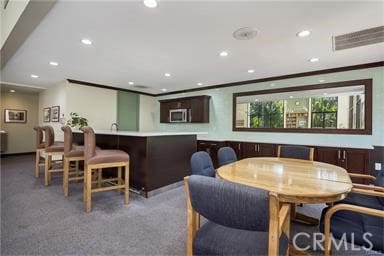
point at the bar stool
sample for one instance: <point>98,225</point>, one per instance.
<point>99,159</point>
<point>72,153</point>
<point>40,148</point>
<point>52,149</point>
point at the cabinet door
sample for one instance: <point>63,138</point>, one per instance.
<point>164,112</point>
<point>328,155</point>
<point>355,161</point>
<point>249,149</point>
<point>236,147</point>
<point>200,110</point>
<point>267,150</point>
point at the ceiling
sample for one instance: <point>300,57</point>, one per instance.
<point>184,38</point>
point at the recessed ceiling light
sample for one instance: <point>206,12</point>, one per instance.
<point>164,89</point>
<point>291,97</point>
<point>12,91</point>
<point>325,93</point>
<point>303,33</point>
<point>272,84</point>
<point>223,54</point>
<point>313,60</point>
<point>150,3</point>
<point>53,63</point>
<point>199,84</point>
<point>256,99</point>
<point>86,41</point>
<point>131,83</point>
<point>251,71</point>
<point>167,74</point>
<point>34,76</point>
<point>321,80</point>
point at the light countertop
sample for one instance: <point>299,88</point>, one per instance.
<point>143,134</point>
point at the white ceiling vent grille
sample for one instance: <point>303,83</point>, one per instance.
<point>359,38</point>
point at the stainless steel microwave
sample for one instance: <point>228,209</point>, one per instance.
<point>178,115</point>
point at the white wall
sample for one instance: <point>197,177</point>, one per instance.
<point>10,16</point>
<point>147,109</point>
<point>98,105</point>
<point>54,96</point>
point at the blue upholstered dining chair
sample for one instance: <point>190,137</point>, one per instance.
<point>343,217</point>
<point>201,164</point>
<point>237,219</point>
<point>226,155</point>
<point>296,152</point>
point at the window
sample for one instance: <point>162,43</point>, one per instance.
<point>344,107</point>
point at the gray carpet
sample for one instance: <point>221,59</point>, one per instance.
<point>38,220</point>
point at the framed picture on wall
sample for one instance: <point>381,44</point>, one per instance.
<point>46,115</point>
<point>15,116</point>
<point>55,114</point>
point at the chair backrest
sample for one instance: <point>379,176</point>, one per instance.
<point>49,135</point>
<point>89,142</point>
<point>297,152</point>
<point>39,136</point>
<point>67,139</point>
<point>226,155</point>
<point>201,164</point>
<point>380,183</point>
<point>230,204</point>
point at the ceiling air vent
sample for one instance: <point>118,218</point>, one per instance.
<point>141,86</point>
<point>359,38</point>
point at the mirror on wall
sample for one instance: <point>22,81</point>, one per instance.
<point>343,107</point>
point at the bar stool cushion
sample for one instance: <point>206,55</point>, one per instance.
<point>108,156</point>
<point>55,147</point>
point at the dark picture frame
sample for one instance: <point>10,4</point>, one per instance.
<point>46,115</point>
<point>15,116</point>
<point>55,114</point>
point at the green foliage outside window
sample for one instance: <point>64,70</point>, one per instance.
<point>269,114</point>
<point>324,112</point>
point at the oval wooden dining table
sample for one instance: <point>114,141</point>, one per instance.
<point>293,180</point>
<point>289,181</point>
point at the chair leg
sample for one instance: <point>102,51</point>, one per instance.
<point>126,183</point>
<point>46,173</point>
<point>119,179</point>
<point>49,167</point>
<point>65,176</point>
<point>99,177</point>
<point>85,183</point>
<point>37,166</point>
<point>88,202</point>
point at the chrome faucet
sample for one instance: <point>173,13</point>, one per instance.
<point>116,126</point>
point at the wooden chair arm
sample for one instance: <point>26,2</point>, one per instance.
<point>348,207</point>
<point>367,192</point>
<point>368,187</point>
<point>193,220</point>
<point>362,176</point>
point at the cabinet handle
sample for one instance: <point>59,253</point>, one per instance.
<point>338,154</point>
<point>239,146</point>
<point>344,154</point>
<point>202,143</point>
<point>213,144</point>
<point>258,148</point>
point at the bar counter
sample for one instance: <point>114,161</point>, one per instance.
<point>157,159</point>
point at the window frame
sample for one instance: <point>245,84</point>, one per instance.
<point>367,108</point>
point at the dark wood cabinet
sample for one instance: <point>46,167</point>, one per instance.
<point>211,147</point>
<point>352,159</point>
<point>197,106</point>
<point>252,149</point>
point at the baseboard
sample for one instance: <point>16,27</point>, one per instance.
<point>16,154</point>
